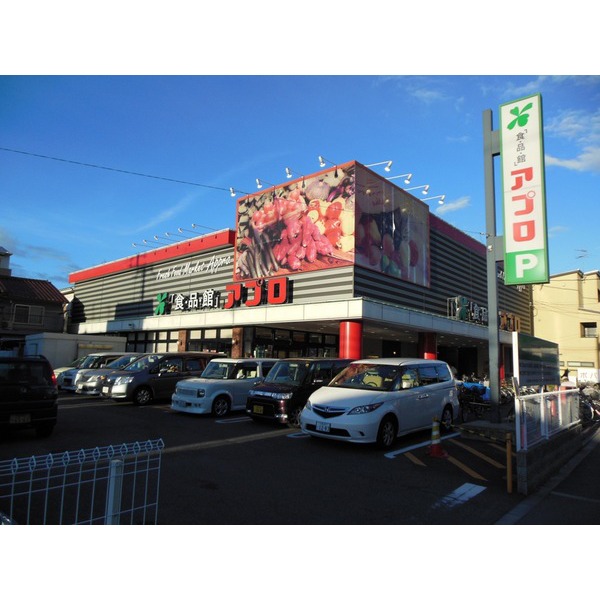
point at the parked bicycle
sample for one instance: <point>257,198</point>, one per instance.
<point>589,404</point>
<point>474,399</point>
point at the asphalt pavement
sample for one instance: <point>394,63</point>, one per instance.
<point>571,497</point>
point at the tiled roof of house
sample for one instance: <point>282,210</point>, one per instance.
<point>30,290</point>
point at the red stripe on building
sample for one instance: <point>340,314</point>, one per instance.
<point>183,248</point>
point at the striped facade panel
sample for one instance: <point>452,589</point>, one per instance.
<point>133,293</point>
<point>320,286</point>
<point>456,270</point>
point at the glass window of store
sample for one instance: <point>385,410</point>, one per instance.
<point>210,340</point>
<point>282,343</point>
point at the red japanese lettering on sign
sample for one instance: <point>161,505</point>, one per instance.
<point>256,298</point>
<point>278,291</point>
<point>524,231</point>
<point>254,292</point>
<point>234,296</point>
<point>528,199</point>
<point>519,174</point>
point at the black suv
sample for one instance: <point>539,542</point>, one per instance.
<point>285,390</point>
<point>28,394</point>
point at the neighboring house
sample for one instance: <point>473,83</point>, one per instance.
<point>26,306</point>
<point>567,311</point>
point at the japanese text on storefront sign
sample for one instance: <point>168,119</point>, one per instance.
<point>522,153</point>
<point>187,302</point>
<point>463,309</point>
<point>255,293</point>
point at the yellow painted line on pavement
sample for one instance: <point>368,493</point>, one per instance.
<point>487,459</point>
<point>464,467</point>
<point>414,459</point>
<point>497,447</point>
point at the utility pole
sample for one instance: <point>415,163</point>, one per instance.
<point>494,247</point>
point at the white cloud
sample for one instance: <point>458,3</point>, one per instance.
<point>588,160</point>
<point>557,230</point>
<point>584,129</point>
<point>459,204</point>
<point>575,125</point>
<point>166,214</point>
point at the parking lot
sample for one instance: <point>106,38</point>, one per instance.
<point>236,471</point>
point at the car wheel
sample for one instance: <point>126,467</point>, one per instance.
<point>447,418</point>
<point>44,431</point>
<point>388,430</point>
<point>294,417</point>
<point>220,406</point>
<point>142,396</point>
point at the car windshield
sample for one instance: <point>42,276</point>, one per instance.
<point>288,372</point>
<point>89,362</point>
<point>367,376</point>
<point>122,361</point>
<point>146,362</point>
<point>218,370</point>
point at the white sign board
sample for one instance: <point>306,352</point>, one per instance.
<point>523,192</point>
<point>587,375</point>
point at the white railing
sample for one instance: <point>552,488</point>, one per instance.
<point>109,485</point>
<point>539,416</point>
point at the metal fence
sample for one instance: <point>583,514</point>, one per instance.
<point>541,415</point>
<point>107,485</point>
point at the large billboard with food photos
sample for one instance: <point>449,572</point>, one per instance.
<point>392,229</point>
<point>340,216</point>
<point>305,225</point>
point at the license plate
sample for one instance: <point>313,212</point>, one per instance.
<point>105,389</point>
<point>19,419</point>
<point>257,409</point>
<point>324,427</point>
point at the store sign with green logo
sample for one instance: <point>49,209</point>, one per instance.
<point>523,190</point>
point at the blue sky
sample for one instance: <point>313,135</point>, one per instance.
<point>215,132</point>
<point>99,115</point>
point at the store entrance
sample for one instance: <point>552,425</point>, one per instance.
<point>262,342</point>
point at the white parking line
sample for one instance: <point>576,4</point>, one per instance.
<point>460,495</point>
<point>226,442</point>
<point>233,420</point>
<point>415,446</point>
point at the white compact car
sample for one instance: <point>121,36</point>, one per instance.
<point>222,387</point>
<point>377,400</point>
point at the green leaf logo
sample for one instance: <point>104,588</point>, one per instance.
<point>521,116</point>
<point>161,308</point>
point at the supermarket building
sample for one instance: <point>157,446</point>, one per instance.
<point>340,263</point>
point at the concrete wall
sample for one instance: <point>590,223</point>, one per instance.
<point>538,464</point>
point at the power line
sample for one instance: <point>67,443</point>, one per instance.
<point>82,164</point>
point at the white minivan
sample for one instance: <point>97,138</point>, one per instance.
<point>377,400</point>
